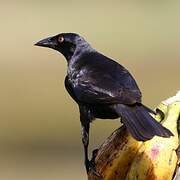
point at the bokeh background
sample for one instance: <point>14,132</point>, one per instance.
<point>39,123</point>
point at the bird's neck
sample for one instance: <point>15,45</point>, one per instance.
<point>81,50</point>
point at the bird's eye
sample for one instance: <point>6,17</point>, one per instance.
<point>60,39</point>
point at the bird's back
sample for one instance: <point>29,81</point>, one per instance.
<point>100,67</point>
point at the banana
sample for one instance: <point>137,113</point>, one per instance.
<point>115,155</point>
<point>157,159</point>
<point>121,157</point>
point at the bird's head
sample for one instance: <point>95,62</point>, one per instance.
<point>65,43</point>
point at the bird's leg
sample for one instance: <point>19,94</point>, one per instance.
<point>85,118</point>
<point>90,166</point>
<point>85,140</point>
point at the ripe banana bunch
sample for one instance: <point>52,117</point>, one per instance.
<point>121,157</point>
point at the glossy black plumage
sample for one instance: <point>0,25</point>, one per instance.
<point>102,89</point>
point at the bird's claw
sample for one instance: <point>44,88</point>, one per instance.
<point>91,168</point>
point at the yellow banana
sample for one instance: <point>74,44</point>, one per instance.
<point>121,157</point>
<point>157,159</point>
<point>116,154</point>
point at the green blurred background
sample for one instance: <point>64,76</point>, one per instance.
<point>39,123</point>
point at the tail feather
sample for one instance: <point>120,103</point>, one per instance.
<point>148,109</point>
<point>140,123</point>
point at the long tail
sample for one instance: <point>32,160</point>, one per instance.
<point>140,123</point>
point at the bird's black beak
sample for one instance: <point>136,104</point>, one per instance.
<point>48,42</point>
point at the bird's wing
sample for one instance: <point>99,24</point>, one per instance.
<point>99,87</point>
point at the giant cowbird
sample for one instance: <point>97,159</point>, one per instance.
<point>103,89</point>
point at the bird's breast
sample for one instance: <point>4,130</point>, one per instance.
<point>75,76</point>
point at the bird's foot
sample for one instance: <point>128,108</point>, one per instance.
<point>91,168</point>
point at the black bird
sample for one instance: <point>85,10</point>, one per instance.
<point>103,89</point>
